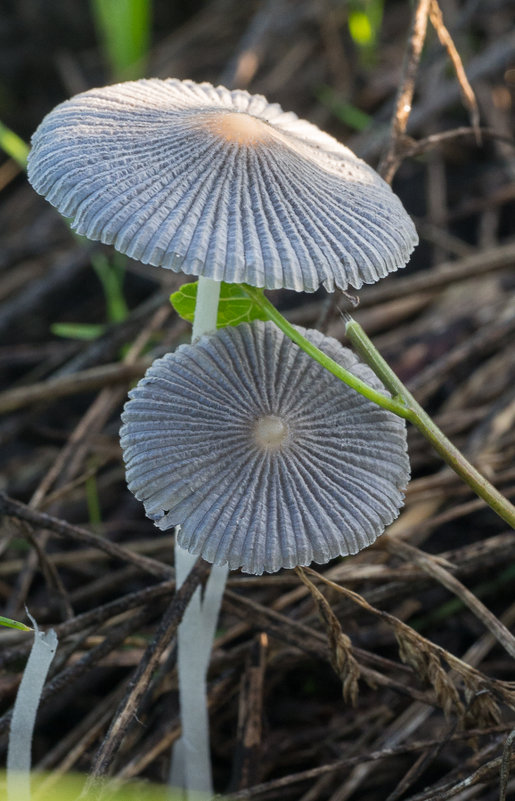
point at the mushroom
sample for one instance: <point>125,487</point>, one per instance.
<point>226,186</point>
<point>264,458</point>
<point>218,183</point>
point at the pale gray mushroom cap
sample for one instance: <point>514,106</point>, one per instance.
<point>263,457</point>
<point>218,183</point>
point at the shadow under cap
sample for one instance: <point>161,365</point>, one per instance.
<point>218,183</point>
<point>332,481</point>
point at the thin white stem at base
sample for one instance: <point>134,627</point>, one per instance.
<point>191,765</point>
<point>191,762</point>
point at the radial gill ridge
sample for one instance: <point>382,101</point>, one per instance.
<point>263,457</point>
<point>165,169</point>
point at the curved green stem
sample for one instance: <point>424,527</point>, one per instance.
<point>403,403</point>
<point>395,404</point>
<point>427,427</point>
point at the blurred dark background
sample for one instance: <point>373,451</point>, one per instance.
<point>445,323</point>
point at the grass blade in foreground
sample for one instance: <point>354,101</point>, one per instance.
<point>13,624</point>
<point>24,714</point>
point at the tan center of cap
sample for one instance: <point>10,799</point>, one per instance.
<point>270,432</point>
<point>238,127</point>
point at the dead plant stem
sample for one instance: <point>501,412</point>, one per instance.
<point>391,160</point>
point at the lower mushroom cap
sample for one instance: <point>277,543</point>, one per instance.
<point>263,458</point>
<point>221,184</point>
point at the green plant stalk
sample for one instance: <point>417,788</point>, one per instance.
<point>427,427</point>
<point>124,28</point>
<point>403,403</point>
<point>395,404</point>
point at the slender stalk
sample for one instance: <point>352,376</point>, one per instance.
<point>395,404</point>
<point>206,308</point>
<point>427,427</point>
<point>403,403</point>
<point>191,763</point>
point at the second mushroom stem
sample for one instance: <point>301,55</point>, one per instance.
<point>191,763</point>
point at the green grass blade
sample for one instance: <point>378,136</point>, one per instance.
<point>13,624</point>
<point>13,145</point>
<point>111,275</point>
<point>124,28</point>
<point>86,332</point>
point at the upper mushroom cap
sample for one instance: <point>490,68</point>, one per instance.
<point>218,183</point>
<point>263,457</point>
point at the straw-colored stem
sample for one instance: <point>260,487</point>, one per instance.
<point>402,403</point>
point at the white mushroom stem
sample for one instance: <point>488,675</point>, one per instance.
<point>206,307</point>
<point>191,764</point>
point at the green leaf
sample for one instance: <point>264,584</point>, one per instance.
<point>234,306</point>
<point>13,624</point>
<point>183,301</point>
<point>83,331</point>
